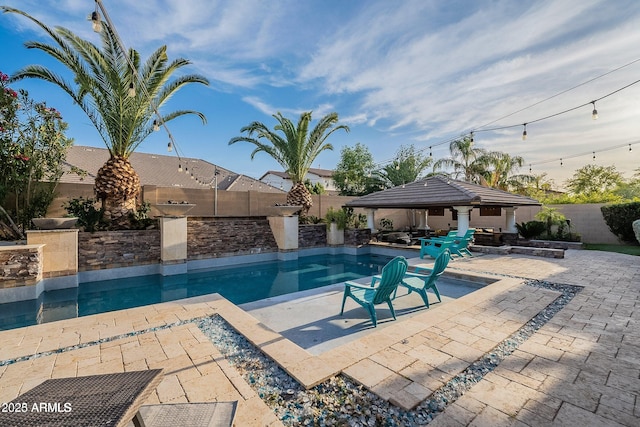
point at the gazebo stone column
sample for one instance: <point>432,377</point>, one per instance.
<point>371,220</point>
<point>463,218</point>
<point>423,217</point>
<point>510,221</point>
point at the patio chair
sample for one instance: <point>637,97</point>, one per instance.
<point>433,247</point>
<point>370,296</point>
<point>460,245</point>
<point>422,282</point>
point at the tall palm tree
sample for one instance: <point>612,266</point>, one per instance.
<point>463,160</point>
<point>499,171</point>
<point>293,147</point>
<point>102,80</point>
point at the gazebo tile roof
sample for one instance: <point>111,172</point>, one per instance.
<point>440,191</point>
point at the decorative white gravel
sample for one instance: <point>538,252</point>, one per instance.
<point>340,401</point>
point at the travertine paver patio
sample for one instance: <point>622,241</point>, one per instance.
<point>581,368</point>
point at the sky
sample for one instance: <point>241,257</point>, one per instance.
<point>404,72</point>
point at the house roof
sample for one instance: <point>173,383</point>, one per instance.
<point>440,191</point>
<point>159,170</point>
<point>324,173</point>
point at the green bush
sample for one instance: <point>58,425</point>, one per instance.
<point>89,217</point>
<point>619,218</point>
<point>140,218</point>
<point>531,229</point>
<point>340,217</point>
<point>386,224</point>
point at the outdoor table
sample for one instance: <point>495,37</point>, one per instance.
<point>96,400</point>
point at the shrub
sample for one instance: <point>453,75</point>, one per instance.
<point>531,229</point>
<point>620,217</point>
<point>140,217</point>
<point>386,224</point>
<point>89,217</point>
<point>550,217</point>
<point>340,217</point>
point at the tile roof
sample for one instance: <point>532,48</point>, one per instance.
<point>440,191</point>
<point>324,173</point>
<point>159,170</point>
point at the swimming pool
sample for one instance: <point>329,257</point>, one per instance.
<point>239,284</point>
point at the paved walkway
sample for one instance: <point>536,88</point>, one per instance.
<point>581,368</point>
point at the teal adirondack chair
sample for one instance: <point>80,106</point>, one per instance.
<point>433,247</point>
<point>460,245</point>
<point>370,296</point>
<point>422,282</point>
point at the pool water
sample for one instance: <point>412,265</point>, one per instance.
<point>238,284</point>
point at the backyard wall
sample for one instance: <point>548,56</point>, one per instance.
<point>230,203</point>
<point>114,249</point>
<point>213,237</point>
<point>20,265</point>
<point>585,219</point>
<point>312,235</point>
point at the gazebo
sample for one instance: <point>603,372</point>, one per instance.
<point>439,192</point>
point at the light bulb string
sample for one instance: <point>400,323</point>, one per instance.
<point>586,153</point>
<point>560,93</point>
<point>162,123</point>
<point>561,112</point>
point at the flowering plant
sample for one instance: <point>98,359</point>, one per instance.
<point>32,148</point>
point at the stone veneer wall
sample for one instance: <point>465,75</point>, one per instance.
<point>20,266</point>
<point>113,249</point>
<point>312,235</point>
<point>214,237</point>
<point>357,236</point>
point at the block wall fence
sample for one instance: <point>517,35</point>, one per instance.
<point>586,219</point>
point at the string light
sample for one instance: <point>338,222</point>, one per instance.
<point>132,90</point>
<point>594,113</point>
<point>594,155</point>
<point>96,24</point>
<point>560,161</point>
<point>471,136</point>
<point>179,167</point>
<point>629,147</point>
<point>529,167</point>
<point>169,147</point>
<point>524,132</point>
<point>156,126</point>
<point>430,152</point>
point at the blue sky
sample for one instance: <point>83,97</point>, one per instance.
<point>417,72</point>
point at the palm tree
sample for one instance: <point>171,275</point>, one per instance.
<point>102,83</point>
<point>293,147</point>
<point>463,160</point>
<point>499,171</point>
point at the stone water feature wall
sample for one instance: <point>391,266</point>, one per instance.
<point>20,266</point>
<point>214,237</point>
<point>312,235</point>
<point>114,249</point>
<point>357,236</point>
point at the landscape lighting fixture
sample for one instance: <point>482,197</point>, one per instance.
<point>96,24</point>
<point>524,132</point>
<point>594,113</point>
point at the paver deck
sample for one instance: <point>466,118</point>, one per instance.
<point>581,368</point>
